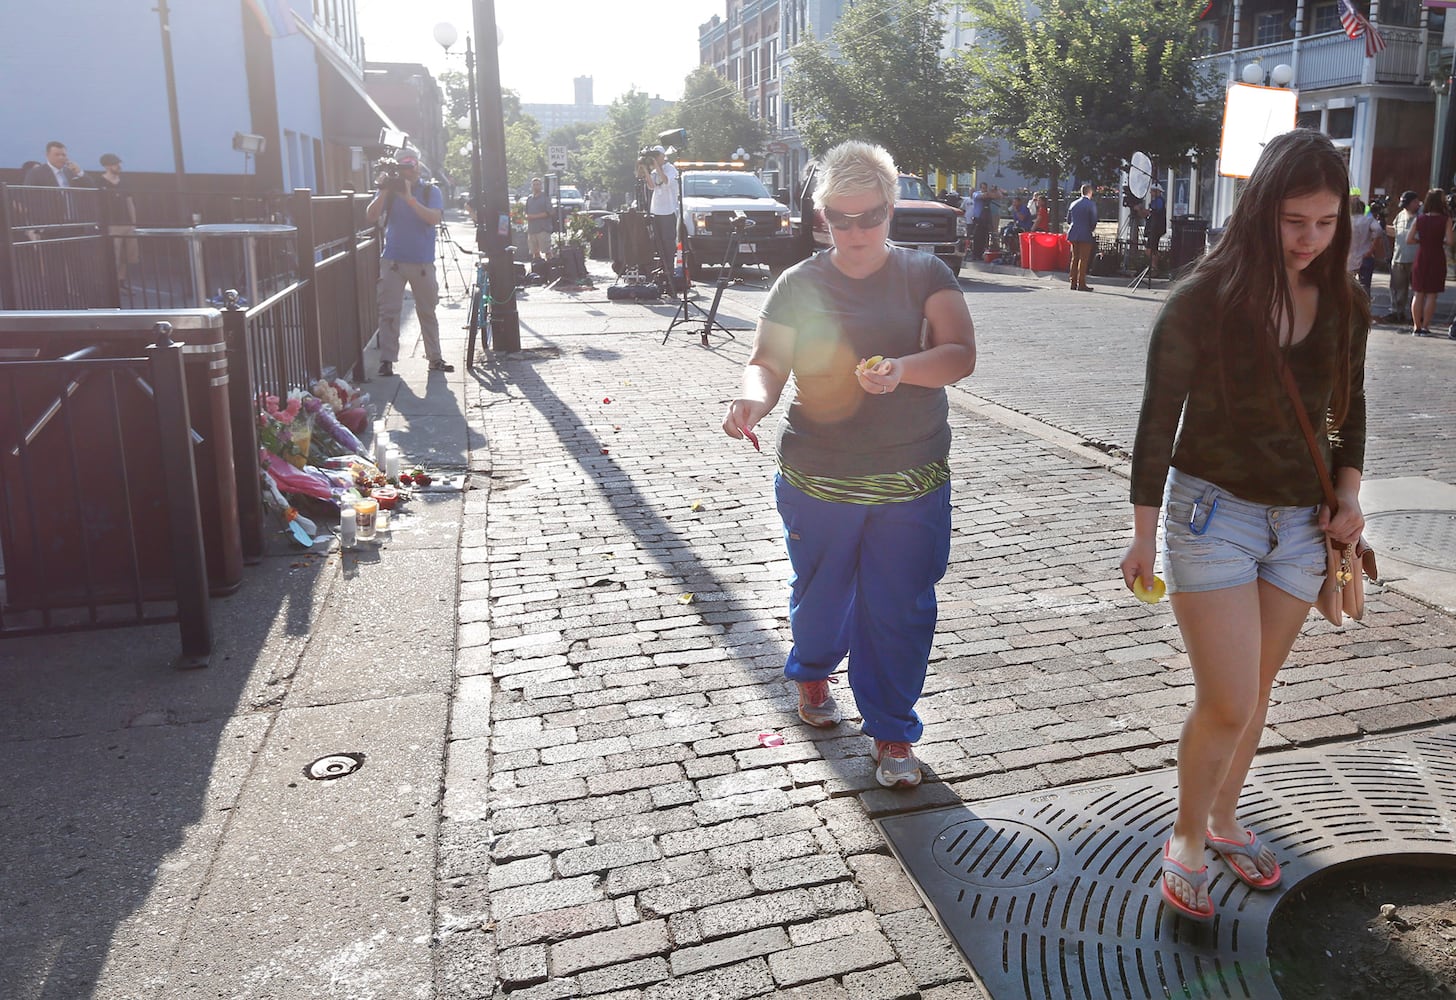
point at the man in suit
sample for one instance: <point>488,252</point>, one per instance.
<point>58,170</point>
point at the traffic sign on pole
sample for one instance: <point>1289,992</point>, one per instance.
<point>556,156</point>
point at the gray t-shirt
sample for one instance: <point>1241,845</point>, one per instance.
<point>833,427</point>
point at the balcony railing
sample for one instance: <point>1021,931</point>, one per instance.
<point>1329,60</point>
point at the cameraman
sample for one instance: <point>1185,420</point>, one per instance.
<point>661,179</point>
<point>411,210</point>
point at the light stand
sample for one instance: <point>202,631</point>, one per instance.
<point>726,267</point>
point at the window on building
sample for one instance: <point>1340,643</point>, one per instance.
<point>1269,28</point>
<point>771,104</point>
<point>1309,119</point>
<point>295,166</point>
<point>771,59</point>
<point>752,69</point>
<point>753,109</point>
<point>1405,13</point>
<point>1326,17</point>
<point>1208,35</point>
<point>788,119</point>
<point>733,72</point>
<point>1340,123</point>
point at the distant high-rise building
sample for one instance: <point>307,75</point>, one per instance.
<point>583,89</point>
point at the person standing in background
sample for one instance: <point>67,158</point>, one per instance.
<point>1401,259</point>
<point>1081,224</point>
<point>539,215</point>
<point>118,214</point>
<point>1431,235</point>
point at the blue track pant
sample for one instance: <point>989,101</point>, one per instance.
<point>864,585</point>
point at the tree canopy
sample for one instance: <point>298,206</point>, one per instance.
<point>1081,86</point>
<point>609,153</point>
<point>880,76</point>
<point>715,115</point>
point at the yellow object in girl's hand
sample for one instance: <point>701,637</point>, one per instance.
<point>869,364</point>
<point>1149,595</point>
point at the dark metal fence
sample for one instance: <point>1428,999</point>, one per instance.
<point>53,252</point>
<point>100,518</point>
<point>303,305</point>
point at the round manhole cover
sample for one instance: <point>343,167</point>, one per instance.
<point>334,765</point>
<point>1420,537</point>
<point>997,853</point>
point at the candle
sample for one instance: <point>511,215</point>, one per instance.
<point>391,464</point>
<point>366,511</point>
<point>348,527</point>
<point>381,449</point>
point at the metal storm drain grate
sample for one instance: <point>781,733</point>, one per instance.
<point>1421,537</point>
<point>1054,895</point>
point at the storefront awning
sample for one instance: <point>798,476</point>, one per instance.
<point>351,117</point>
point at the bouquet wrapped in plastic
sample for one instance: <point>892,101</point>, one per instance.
<point>326,421</point>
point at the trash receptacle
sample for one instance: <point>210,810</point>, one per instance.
<point>94,441</point>
<point>1188,241</point>
<point>1049,252</point>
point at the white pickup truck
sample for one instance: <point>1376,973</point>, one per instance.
<point>724,205</point>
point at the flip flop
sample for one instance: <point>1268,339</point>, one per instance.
<point>1251,849</point>
<point>1195,879</point>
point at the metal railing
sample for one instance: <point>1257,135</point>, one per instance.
<point>53,251</point>
<point>1330,59</point>
<point>100,519</point>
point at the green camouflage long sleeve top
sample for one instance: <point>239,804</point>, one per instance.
<point>1238,430</point>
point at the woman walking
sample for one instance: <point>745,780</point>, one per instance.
<point>1431,235</point>
<point>863,484</point>
<point>1244,526</point>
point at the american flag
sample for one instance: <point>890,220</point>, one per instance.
<point>1355,26</point>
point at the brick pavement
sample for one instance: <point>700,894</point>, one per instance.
<point>615,823</point>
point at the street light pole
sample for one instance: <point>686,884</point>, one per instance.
<point>493,209</point>
<point>474,112</point>
<point>170,73</point>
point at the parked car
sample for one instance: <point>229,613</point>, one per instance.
<point>724,204</point>
<point>571,200</point>
<point>920,222</point>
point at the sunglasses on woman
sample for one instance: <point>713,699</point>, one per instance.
<point>860,220</point>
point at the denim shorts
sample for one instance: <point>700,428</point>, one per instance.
<point>1213,540</point>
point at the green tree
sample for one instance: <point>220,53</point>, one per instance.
<point>880,77</point>
<point>715,115</point>
<point>1084,85</point>
<point>525,155</point>
<point>609,152</point>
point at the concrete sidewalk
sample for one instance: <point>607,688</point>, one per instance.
<point>583,774</point>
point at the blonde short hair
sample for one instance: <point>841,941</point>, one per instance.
<point>855,167</point>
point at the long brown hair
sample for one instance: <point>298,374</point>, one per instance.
<point>1246,267</point>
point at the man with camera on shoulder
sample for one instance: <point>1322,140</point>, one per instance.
<point>410,209</point>
<point>661,180</point>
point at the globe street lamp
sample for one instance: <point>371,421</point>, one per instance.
<point>446,36</point>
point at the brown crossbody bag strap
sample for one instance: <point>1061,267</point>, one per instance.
<point>1314,449</point>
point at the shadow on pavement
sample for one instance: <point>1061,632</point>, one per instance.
<point>116,774</point>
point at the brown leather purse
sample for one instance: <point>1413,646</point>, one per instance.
<point>1343,592</point>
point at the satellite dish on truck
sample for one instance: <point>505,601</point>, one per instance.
<point>1139,175</point>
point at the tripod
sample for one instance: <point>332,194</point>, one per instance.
<point>449,256</point>
<point>726,269</point>
<point>1146,274</point>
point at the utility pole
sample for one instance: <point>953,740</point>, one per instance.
<point>493,210</point>
<point>164,14</point>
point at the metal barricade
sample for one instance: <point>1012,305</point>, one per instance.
<point>100,518</point>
